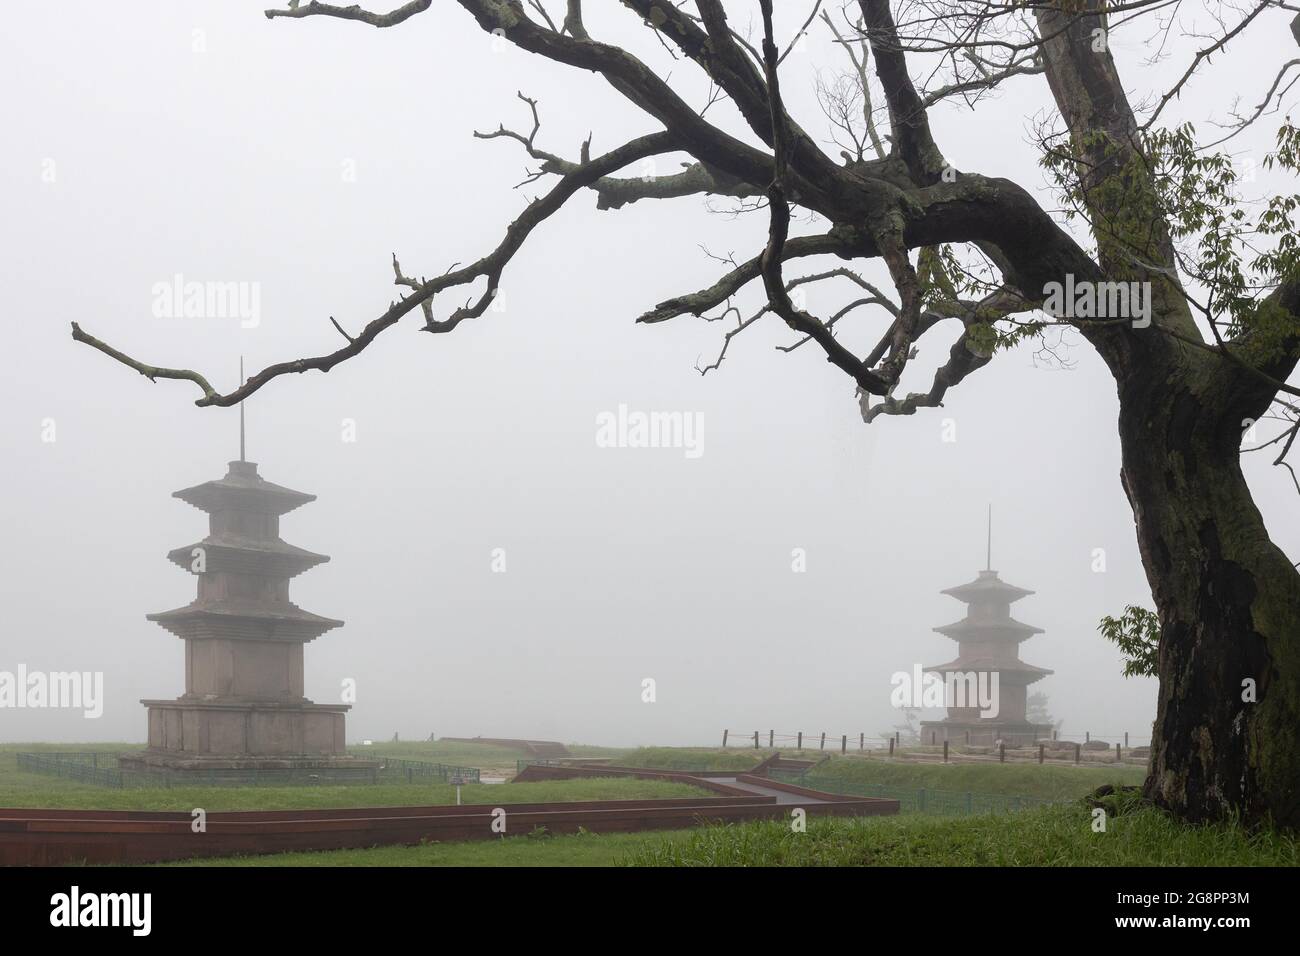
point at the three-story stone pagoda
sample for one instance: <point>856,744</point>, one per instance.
<point>243,708</point>
<point>988,641</point>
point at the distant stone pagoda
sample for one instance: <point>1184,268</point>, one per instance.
<point>243,706</point>
<point>988,640</point>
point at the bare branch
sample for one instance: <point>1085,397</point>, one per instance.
<point>151,372</point>
<point>777,296</point>
<point>489,267</point>
<point>340,328</point>
<point>353,12</point>
<point>1201,56</point>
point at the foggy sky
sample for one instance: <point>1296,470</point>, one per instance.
<point>226,163</point>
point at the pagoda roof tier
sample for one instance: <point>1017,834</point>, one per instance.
<point>975,629</point>
<point>243,490</point>
<point>240,555</point>
<point>988,586</point>
<point>983,663</point>
<point>243,620</point>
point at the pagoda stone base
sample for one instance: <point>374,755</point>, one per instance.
<point>983,733</point>
<point>228,734</point>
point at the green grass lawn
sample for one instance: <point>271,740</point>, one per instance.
<point>490,758</point>
<point>1046,782</point>
<point>58,793</point>
<point>22,789</point>
<point>849,774</point>
<point>585,849</point>
<point>1046,836</point>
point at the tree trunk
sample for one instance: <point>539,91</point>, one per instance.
<point>1227,597</point>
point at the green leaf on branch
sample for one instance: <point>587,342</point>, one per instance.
<point>1137,634</point>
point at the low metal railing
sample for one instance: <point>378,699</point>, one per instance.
<point>102,769</point>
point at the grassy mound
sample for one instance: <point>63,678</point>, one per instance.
<point>691,758</point>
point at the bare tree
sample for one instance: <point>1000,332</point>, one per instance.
<point>1214,349</point>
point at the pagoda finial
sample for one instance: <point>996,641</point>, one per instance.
<point>988,561</point>
<point>241,411</point>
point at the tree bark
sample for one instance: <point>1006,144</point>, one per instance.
<point>1227,597</point>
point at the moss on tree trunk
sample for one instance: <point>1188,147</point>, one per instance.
<point>1226,741</point>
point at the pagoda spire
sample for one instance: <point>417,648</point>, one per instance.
<point>988,561</point>
<point>241,411</point>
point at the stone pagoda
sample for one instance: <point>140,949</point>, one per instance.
<point>243,706</point>
<point>988,641</point>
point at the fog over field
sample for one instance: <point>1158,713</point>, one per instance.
<point>500,569</point>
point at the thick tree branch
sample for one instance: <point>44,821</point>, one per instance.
<point>909,123</point>
<point>777,295</point>
<point>697,303</point>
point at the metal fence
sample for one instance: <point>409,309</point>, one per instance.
<point>798,740</point>
<point>521,763</point>
<point>81,767</point>
<point>421,771</point>
<point>101,769</point>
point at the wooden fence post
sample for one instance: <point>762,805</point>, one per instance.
<point>1076,753</point>
<point>844,744</point>
<point>1040,753</point>
<point>1117,757</point>
<point>1126,738</point>
<point>756,740</point>
<point>724,739</point>
<point>822,745</point>
<point>771,739</point>
<point>1002,751</point>
<point>945,749</point>
<point>862,741</point>
<point>799,746</point>
<point>1087,737</point>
